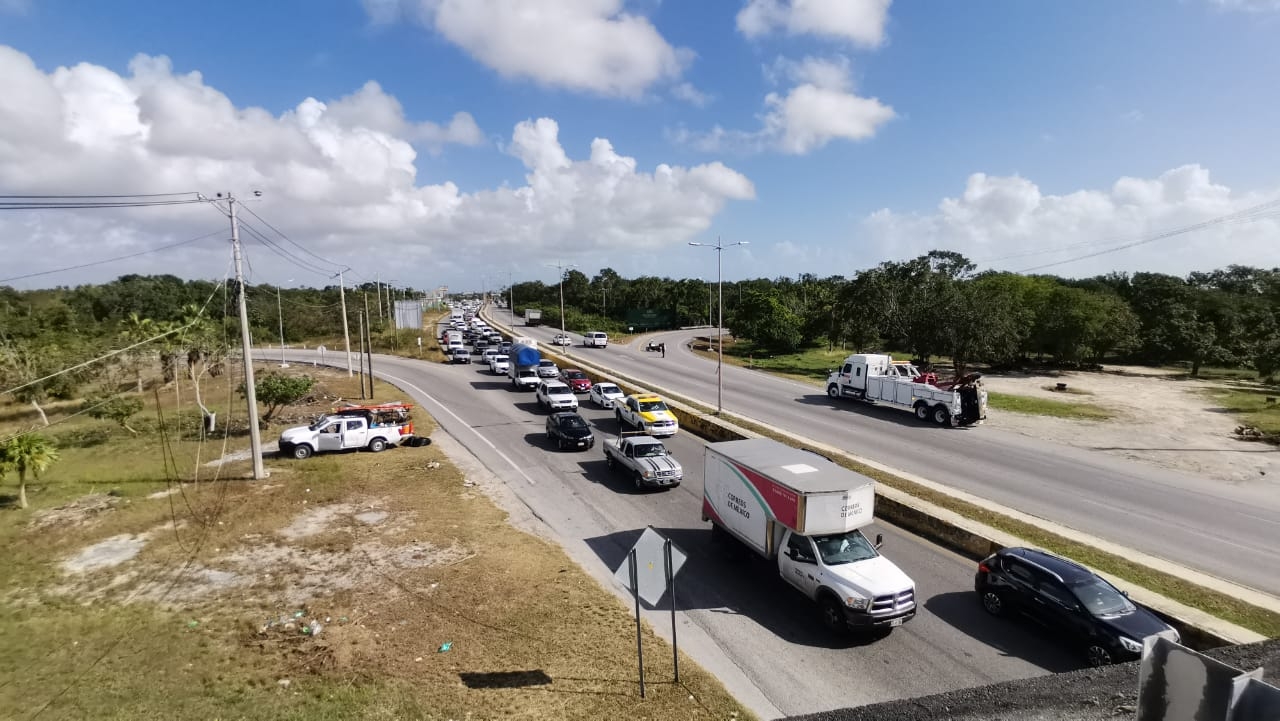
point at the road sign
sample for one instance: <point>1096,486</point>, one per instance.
<point>651,572</point>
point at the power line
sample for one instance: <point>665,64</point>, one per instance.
<point>81,205</point>
<point>282,235</point>
<point>111,260</point>
<point>1248,215</point>
<point>282,252</point>
<point>131,195</point>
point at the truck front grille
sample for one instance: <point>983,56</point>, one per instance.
<point>900,601</point>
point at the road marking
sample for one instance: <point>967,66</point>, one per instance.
<point>466,425</point>
<point>1260,518</point>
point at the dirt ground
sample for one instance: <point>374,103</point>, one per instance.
<point>1160,418</point>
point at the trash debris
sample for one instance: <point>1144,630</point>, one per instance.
<point>299,614</point>
<point>283,683</point>
<point>192,624</point>
<point>433,465</point>
<point>445,646</point>
<point>312,629</point>
<point>418,659</point>
<point>468,484</point>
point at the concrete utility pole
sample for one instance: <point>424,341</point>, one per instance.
<point>280,313</point>
<point>346,333</point>
<point>377,279</point>
<point>562,267</point>
<point>368,346</point>
<point>246,348</point>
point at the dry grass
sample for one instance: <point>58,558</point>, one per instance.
<point>394,554</point>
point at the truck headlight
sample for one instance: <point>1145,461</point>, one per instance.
<point>857,603</point>
<point>1130,645</point>
<point>647,474</point>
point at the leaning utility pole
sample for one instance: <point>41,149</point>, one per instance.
<point>377,279</point>
<point>346,334</point>
<point>368,330</point>
<point>246,348</point>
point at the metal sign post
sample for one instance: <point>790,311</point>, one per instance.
<point>671,581</point>
<point>635,593</point>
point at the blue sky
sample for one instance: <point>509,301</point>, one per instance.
<point>831,135</point>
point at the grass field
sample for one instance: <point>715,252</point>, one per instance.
<point>429,605</point>
<point>1249,404</point>
<point>1047,407</point>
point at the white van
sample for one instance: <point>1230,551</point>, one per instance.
<point>595,339</point>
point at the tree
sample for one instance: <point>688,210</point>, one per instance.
<point>117,408</point>
<point>136,329</point>
<point>765,319</point>
<point>30,452</point>
<point>277,391</point>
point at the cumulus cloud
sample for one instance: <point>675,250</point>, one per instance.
<point>821,106</point>
<point>582,45</point>
<point>688,93</point>
<point>1252,6</point>
<point>1007,222</point>
<point>340,177</point>
<point>860,22</point>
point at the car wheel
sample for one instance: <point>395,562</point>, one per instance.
<point>1098,655</point>
<point>833,390</point>
<point>832,614</point>
<point>639,481</point>
<point>993,603</point>
<point>922,412</point>
<point>377,445</point>
<point>302,452</point>
<point>941,416</point>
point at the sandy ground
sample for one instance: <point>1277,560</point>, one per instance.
<point>1160,420</point>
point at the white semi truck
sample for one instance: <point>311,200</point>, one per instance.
<point>897,384</point>
<point>805,512</point>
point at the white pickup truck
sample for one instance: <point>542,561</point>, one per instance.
<point>645,460</point>
<point>648,413</point>
<point>342,432</point>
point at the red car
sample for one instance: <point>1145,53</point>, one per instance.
<point>576,379</point>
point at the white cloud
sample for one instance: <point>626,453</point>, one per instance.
<point>583,45</point>
<point>1132,117</point>
<point>1252,6</point>
<point>15,7</point>
<point>688,93</point>
<point>1009,223</point>
<point>339,177</point>
<point>860,22</point>
<point>821,107</point>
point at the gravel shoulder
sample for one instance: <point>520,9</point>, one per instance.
<point>1160,418</point>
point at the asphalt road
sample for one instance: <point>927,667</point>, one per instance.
<point>1229,530</point>
<point>744,618</point>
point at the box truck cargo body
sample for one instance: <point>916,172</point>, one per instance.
<point>806,513</point>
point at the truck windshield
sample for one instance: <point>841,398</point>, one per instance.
<point>649,450</point>
<point>650,406</point>
<point>844,548</point>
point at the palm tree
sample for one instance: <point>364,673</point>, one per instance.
<point>135,329</point>
<point>31,452</point>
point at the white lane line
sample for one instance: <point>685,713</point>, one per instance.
<point>1260,518</point>
<point>455,416</point>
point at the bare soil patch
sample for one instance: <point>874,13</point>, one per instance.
<point>1161,419</point>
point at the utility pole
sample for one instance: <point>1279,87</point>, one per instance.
<point>360,316</point>
<point>377,279</point>
<point>368,347</point>
<point>280,313</point>
<point>346,333</point>
<point>562,267</point>
<point>719,248</point>
<point>246,348</point>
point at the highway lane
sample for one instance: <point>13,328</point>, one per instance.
<point>1224,529</point>
<point>768,631</point>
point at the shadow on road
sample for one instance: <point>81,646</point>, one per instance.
<point>879,413</point>
<point>489,385</point>
<point>730,579</point>
<point>1013,636</point>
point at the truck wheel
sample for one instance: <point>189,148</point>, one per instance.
<point>618,416</point>
<point>377,445</point>
<point>832,614</point>
<point>922,412</point>
<point>833,390</point>
<point>639,481</point>
<point>302,452</point>
<point>609,462</point>
<point>941,416</point>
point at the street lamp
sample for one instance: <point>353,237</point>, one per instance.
<point>719,248</point>
<point>280,312</point>
<point>562,267</point>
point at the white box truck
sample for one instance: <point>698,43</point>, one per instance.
<point>805,512</point>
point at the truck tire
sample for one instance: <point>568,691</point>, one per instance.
<point>833,390</point>
<point>832,614</point>
<point>377,445</point>
<point>941,416</point>
<point>638,479</point>
<point>618,416</point>
<point>922,411</point>
<point>302,452</point>
<point>609,462</point>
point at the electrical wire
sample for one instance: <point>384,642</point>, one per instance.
<point>282,235</point>
<point>112,260</point>
<point>82,205</point>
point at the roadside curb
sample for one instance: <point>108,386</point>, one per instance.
<point>1199,630</point>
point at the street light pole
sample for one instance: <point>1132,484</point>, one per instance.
<point>719,248</point>
<point>562,267</point>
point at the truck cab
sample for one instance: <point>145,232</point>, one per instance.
<point>855,587</point>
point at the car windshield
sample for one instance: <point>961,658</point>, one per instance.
<point>1101,598</point>
<point>607,389</point>
<point>500,359</point>
<point>575,375</point>
<point>319,423</point>
<point>558,390</point>
<point>650,406</point>
<point>546,364</point>
<point>844,548</point>
<point>572,422</point>
<point>650,450</point>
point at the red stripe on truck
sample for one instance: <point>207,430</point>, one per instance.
<point>783,502</point>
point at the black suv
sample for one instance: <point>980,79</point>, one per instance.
<point>568,430</point>
<point>1068,599</point>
